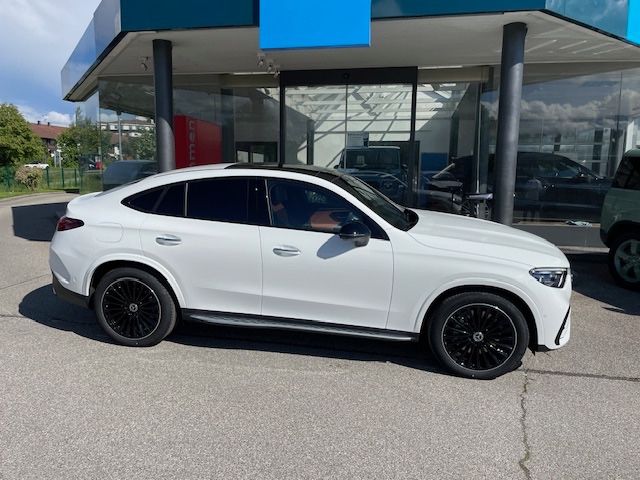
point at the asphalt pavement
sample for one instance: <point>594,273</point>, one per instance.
<point>222,403</point>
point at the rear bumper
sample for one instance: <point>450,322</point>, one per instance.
<point>68,295</point>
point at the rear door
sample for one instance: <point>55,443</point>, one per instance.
<point>207,244</point>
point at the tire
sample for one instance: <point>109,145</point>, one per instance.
<point>624,260</point>
<point>474,344</point>
<point>134,308</point>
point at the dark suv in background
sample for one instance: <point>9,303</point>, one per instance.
<point>380,167</point>
<point>548,186</point>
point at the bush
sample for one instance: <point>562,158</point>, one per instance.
<point>29,177</point>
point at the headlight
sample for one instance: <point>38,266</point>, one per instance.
<point>551,277</point>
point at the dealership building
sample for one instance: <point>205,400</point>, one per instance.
<point>533,100</point>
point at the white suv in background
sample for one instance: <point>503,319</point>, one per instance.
<point>303,248</point>
<point>620,224</point>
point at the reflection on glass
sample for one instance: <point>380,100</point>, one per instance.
<point>574,132</point>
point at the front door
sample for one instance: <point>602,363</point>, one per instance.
<point>309,272</point>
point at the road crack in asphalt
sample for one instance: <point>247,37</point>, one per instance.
<point>596,376</point>
<point>523,423</point>
<point>24,282</point>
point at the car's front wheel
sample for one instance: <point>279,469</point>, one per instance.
<point>624,260</point>
<point>134,307</point>
<point>478,335</point>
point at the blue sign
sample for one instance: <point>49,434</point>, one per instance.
<point>633,29</point>
<point>290,24</point>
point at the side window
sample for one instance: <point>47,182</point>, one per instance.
<point>304,206</point>
<point>634,179</point>
<point>172,201</point>
<point>258,205</point>
<point>145,201</point>
<point>219,199</point>
<point>628,175</point>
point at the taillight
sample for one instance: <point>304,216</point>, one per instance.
<point>66,223</point>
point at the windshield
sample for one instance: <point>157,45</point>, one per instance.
<point>403,219</point>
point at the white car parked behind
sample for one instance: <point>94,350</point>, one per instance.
<point>303,248</point>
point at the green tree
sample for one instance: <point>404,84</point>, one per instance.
<point>18,144</point>
<point>144,146</point>
<point>82,141</point>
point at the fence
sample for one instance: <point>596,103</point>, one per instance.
<point>53,178</point>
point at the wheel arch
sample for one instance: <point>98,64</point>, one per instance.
<point>514,298</point>
<point>621,228</point>
<point>100,270</point>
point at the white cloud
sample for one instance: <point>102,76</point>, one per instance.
<point>55,118</point>
<point>37,38</point>
<point>42,34</point>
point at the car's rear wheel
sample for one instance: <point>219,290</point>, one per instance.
<point>478,335</point>
<point>624,260</point>
<point>134,307</point>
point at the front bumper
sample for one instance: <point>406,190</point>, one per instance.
<point>69,296</point>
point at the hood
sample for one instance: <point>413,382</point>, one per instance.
<point>480,237</point>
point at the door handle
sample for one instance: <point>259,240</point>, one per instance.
<point>168,240</point>
<point>286,251</point>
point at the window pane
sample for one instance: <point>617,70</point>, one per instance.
<point>308,207</point>
<point>259,208</point>
<point>145,201</point>
<point>220,200</point>
<point>172,203</point>
<point>634,179</point>
<point>628,175</point>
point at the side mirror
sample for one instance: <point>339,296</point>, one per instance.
<point>356,231</point>
<point>582,177</point>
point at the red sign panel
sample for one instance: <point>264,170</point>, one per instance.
<point>197,142</point>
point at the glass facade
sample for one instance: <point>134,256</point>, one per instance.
<point>214,122</point>
<point>573,133</point>
<point>425,145</point>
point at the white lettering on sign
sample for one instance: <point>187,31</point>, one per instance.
<point>192,143</point>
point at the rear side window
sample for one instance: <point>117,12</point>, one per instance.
<point>145,201</point>
<point>628,176</point>
<point>219,200</point>
<point>168,201</point>
<point>172,201</point>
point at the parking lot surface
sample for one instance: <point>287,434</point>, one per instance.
<point>222,403</point>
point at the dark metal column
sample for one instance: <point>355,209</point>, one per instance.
<point>228,126</point>
<point>163,80</point>
<point>511,75</point>
<point>311,141</point>
<point>282,151</point>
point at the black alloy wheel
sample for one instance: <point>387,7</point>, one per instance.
<point>478,335</point>
<point>134,307</point>
<point>131,308</point>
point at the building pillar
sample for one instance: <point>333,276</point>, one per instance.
<point>511,77</point>
<point>163,81</point>
<point>229,154</point>
<point>311,141</point>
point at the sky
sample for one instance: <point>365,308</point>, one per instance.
<point>36,39</point>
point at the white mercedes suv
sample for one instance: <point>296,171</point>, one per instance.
<point>304,248</point>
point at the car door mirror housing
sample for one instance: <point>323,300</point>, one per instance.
<point>358,232</point>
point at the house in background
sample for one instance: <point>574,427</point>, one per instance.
<point>49,135</point>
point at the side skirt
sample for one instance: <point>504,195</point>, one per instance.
<point>273,323</point>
